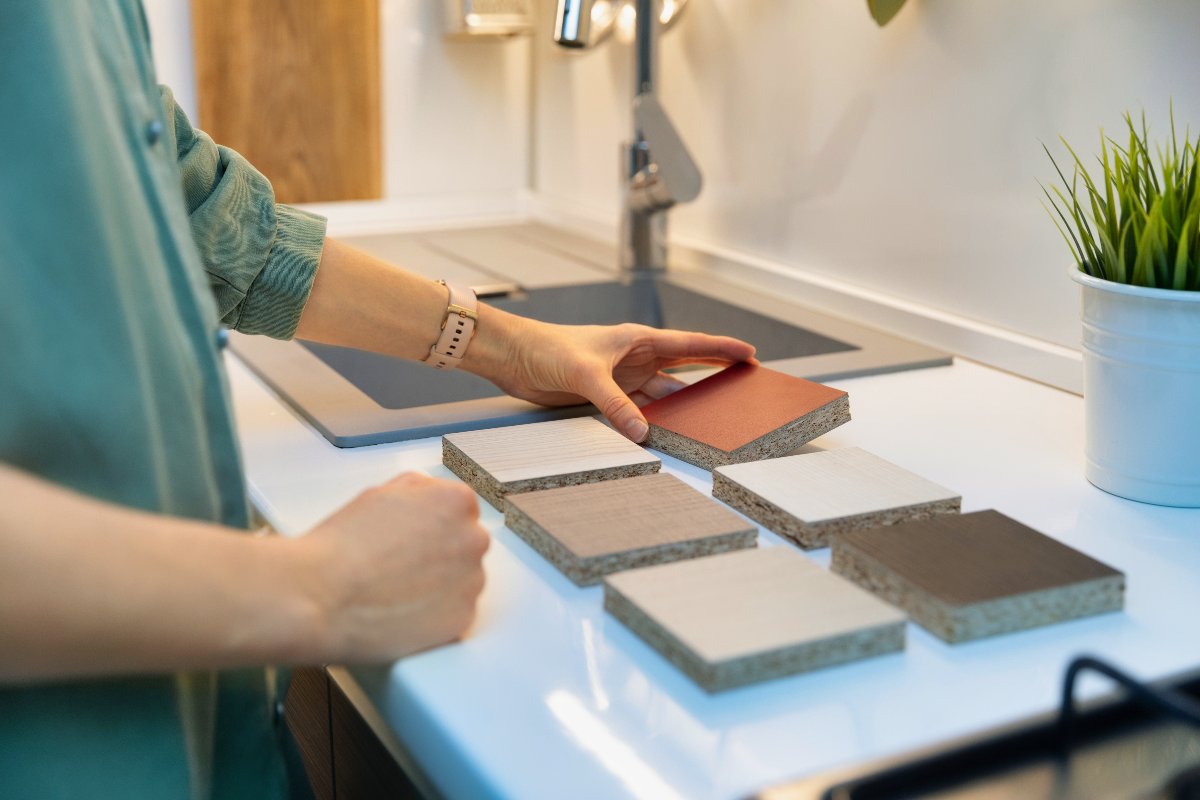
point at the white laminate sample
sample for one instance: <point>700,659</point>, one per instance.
<point>834,484</point>
<point>741,617</point>
<point>544,449</point>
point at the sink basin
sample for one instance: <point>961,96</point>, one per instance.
<point>395,383</point>
<point>356,398</point>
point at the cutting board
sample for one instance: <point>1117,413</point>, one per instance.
<point>293,85</point>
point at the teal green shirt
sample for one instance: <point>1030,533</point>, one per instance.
<point>126,239</point>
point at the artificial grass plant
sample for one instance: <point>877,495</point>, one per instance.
<point>1138,221</point>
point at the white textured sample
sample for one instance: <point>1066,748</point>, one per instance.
<point>834,484</point>
<point>541,449</point>
<point>750,615</point>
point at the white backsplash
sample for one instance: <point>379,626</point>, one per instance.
<point>897,163</point>
<point>902,160</point>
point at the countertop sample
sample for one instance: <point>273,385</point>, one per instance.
<point>550,697</point>
<point>594,529</point>
<point>754,615</point>
<point>745,412</point>
<point>811,497</point>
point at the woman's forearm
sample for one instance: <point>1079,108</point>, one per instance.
<point>91,588</point>
<point>363,302</point>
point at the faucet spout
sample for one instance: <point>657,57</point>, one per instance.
<point>660,170</point>
<point>572,23</point>
<point>657,170</point>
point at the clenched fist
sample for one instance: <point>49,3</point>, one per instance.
<point>401,568</point>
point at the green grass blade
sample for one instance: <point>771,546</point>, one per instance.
<point>1114,227</point>
<point>1064,228</point>
<point>1180,276</point>
<point>1126,252</point>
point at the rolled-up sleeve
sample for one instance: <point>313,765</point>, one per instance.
<point>261,256</point>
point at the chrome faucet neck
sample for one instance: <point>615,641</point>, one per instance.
<point>646,46</point>
<point>656,169</point>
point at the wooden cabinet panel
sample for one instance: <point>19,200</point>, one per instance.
<point>363,767</point>
<point>293,85</point>
<point>306,710</point>
<point>343,756</point>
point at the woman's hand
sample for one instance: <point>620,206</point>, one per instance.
<point>615,367</point>
<point>399,569</point>
<point>362,302</point>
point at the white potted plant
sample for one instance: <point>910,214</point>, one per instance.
<point>1134,231</point>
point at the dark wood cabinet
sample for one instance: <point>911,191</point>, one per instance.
<point>306,710</point>
<point>344,756</point>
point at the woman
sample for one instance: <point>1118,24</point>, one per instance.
<point>135,614</point>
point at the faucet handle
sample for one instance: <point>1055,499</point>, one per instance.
<point>672,175</point>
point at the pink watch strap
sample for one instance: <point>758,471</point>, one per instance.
<point>458,327</point>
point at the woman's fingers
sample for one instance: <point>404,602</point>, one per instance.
<point>687,346</point>
<point>659,386</point>
<point>616,405</point>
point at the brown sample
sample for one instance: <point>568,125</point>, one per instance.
<point>748,616</point>
<point>542,455</point>
<point>595,529</point>
<point>744,413</point>
<point>967,576</point>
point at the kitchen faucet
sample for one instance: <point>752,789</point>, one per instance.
<point>657,169</point>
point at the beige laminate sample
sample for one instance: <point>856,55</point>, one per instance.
<point>595,529</point>
<point>751,615</point>
<point>812,496</point>
<point>542,455</point>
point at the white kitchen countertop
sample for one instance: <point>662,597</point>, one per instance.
<point>550,697</point>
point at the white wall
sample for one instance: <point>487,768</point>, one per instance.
<point>899,163</point>
<point>903,160</point>
<point>456,115</point>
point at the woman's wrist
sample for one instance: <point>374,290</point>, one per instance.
<point>496,344</point>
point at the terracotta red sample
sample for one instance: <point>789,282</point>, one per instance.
<point>744,413</point>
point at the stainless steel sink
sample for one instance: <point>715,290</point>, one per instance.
<point>355,398</point>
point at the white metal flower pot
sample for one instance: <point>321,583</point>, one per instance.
<point>1141,379</point>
